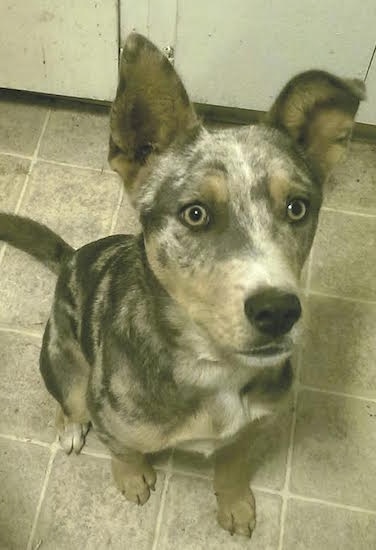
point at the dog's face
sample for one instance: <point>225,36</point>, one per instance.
<point>229,216</point>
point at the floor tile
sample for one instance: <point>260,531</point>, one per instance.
<point>27,410</point>
<point>189,520</point>
<point>339,351</point>
<point>267,459</point>
<point>76,203</point>
<point>127,221</point>
<point>21,122</point>
<point>26,291</point>
<point>352,186</point>
<point>269,452</point>
<point>22,471</point>
<point>77,134</point>
<point>335,449</point>
<point>13,173</point>
<point>79,205</point>
<point>311,526</point>
<point>83,509</point>
<point>344,256</point>
<point>194,463</point>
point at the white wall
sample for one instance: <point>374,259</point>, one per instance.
<point>63,47</point>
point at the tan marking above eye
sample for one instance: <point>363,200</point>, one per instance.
<point>281,187</point>
<point>213,187</point>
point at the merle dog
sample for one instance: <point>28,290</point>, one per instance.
<point>181,336</point>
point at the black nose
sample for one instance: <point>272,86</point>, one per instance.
<point>273,312</point>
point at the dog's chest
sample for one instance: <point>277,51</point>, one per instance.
<point>219,419</point>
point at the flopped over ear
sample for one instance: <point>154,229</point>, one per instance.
<point>151,109</point>
<point>317,110</point>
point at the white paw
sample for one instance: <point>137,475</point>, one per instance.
<point>72,437</point>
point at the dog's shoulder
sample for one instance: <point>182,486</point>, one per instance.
<point>97,255</point>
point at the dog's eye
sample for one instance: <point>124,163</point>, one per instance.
<point>297,209</point>
<point>195,215</point>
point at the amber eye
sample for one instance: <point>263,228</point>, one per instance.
<point>297,209</point>
<point>195,215</point>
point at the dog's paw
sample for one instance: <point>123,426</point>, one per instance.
<point>237,512</point>
<point>72,436</point>
<point>134,483</point>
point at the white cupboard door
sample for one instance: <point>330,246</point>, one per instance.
<point>367,111</point>
<point>240,53</point>
<point>155,19</point>
<point>62,47</point>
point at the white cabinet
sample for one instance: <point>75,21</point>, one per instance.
<point>156,19</point>
<point>236,53</point>
<point>63,47</point>
<point>367,111</point>
<point>240,53</point>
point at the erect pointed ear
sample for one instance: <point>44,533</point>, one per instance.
<point>317,110</point>
<point>151,109</point>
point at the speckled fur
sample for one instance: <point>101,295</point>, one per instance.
<point>147,333</point>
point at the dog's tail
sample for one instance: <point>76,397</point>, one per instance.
<point>35,239</point>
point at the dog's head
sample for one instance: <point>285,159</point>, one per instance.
<point>228,216</point>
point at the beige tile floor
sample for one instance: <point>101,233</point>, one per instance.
<point>315,472</point>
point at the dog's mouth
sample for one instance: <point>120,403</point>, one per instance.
<point>267,350</point>
<point>271,353</point>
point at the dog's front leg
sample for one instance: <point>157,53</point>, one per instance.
<point>236,503</point>
<point>133,475</point>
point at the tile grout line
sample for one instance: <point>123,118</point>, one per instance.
<point>286,488</point>
<point>188,473</point>
<point>158,524</point>
<point>95,454</point>
<point>27,177</point>
<point>54,450</point>
<point>307,285</point>
<point>285,491</point>
<point>281,493</point>
<point>33,162</point>
<point>332,504</point>
<point>349,212</point>
<point>21,439</point>
<point>336,393</point>
<point>58,162</point>
<point>76,166</point>
<point>115,215</point>
<point>24,332</point>
<point>313,292</point>
<point>16,155</point>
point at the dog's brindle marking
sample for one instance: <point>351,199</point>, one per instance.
<point>149,338</point>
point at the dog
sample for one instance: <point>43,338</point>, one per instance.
<point>181,336</point>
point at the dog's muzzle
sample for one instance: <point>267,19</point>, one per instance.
<point>273,312</point>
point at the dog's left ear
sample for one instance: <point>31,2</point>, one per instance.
<point>151,109</point>
<point>317,110</point>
